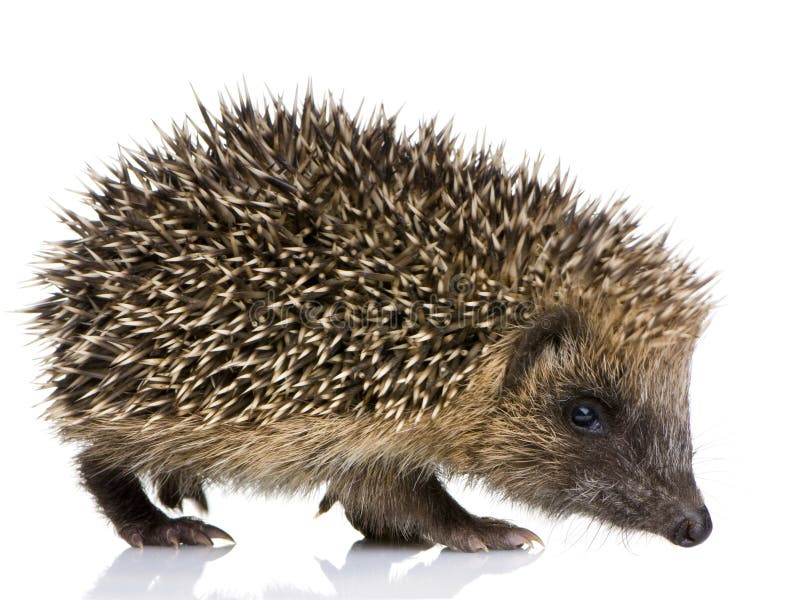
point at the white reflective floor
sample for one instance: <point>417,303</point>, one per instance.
<point>368,571</point>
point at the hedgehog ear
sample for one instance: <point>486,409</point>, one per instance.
<point>548,329</point>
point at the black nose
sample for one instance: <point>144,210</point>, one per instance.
<point>692,528</point>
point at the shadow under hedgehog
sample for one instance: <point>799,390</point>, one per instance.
<point>278,298</point>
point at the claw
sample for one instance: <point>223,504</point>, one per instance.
<point>172,538</point>
<point>523,537</point>
<point>216,532</point>
<point>532,537</point>
<point>474,543</point>
<point>484,533</point>
<point>201,539</point>
<point>173,532</point>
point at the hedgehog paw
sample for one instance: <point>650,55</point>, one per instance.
<point>485,533</point>
<point>173,532</point>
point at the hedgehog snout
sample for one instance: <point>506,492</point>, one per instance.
<point>692,528</point>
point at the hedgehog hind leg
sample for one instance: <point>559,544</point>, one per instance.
<point>174,488</point>
<point>415,507</point>
<point>120,496</point>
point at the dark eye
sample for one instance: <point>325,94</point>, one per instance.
<point>586,417</point>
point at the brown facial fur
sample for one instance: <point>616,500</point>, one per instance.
<point>636,476</point>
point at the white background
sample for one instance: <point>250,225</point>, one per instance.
<point>689,108</point>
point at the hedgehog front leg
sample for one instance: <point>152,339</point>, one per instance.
<point>122,499</point>
<point>174,488</point>
<point>415,507</point>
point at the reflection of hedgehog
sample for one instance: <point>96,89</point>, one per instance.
<point>283,298</point>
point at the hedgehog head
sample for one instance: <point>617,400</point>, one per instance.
<point>593,404</point>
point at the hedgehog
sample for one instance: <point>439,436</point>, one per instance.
<point>293,298</point>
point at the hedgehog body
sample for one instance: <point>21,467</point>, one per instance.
<point>281,298</point>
